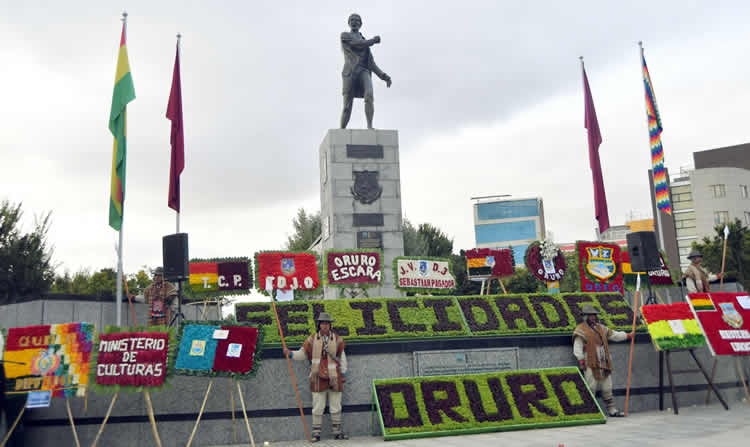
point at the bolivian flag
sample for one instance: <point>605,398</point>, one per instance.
<point>672,326</point>
<point>124,92</point>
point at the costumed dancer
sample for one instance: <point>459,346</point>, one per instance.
<point>325,351</point>
<point>591,348</point>
<point>697,277</point>
<point>159,296</point>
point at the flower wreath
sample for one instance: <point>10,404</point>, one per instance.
<point>533,260</point>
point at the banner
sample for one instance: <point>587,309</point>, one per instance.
<point>725,320</point>
<point>354,268</point>
<point>415,407</point>
<point>599,266</point>
<point>132,359</point>
<point>220,276</point>
<point>215,348</point>
<point>429,275</point>
<point>283,270</point>
<point>49,358</point>
<point>672,326</point>
<point>485,263</point>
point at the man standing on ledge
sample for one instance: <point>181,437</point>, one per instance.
<point>325,351</point>
<point>358,68</point>
<point>159,296</point>
<point>697,277</point>
<point>591,348</point>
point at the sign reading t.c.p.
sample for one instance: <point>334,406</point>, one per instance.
<point>220,276</point>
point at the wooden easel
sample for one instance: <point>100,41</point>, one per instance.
<point>485,290</point>
<point>666,355</point>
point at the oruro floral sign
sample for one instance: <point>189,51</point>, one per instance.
<point>475,403</point>
<point>354,268</point>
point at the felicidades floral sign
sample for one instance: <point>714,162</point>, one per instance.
<point>133,359</point>
<point>49,358</point>
<point>599,266</point>
<point>220,276</point>
<point>672,326</point>
<point>423,274</point>
<point>725,320</point>
<point>425,317</point>
<point>485,263</point>
<point>545,269</point>
<point>417,407</point>
<point>354,268</point>
<point>284,270</point>
<point>214,348</point>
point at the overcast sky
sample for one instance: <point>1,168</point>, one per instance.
<point>487,98</point>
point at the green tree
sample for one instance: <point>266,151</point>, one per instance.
<point>522,281</point>
<point>103,283</point>
<point>25,258</point>
<point>138,282</point>
<point>737,263</point>
<point>62,284</point>
<point>307,228</point>
<point>571,282</point>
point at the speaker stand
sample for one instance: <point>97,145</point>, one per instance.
<point>651,299</point>
<point>178,316</point>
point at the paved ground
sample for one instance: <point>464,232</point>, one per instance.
<point>695,426</point>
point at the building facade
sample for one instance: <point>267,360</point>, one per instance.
<point>503,223</point>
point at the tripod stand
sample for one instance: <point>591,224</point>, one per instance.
<point>178,317</point>
<point>651,297</point>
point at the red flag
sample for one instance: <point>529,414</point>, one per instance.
<point>177,140</point>
<point>595,139</point>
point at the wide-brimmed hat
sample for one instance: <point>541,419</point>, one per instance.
<point>324,316</point>
<point>158,271</point>
<point>588,309</point>
<point>695,254</point>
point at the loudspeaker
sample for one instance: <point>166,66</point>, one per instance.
<point>644,254</point>
<point>175,257</point>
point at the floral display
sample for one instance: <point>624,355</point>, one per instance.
<point>359,319</point>
<point>429,317</point>
<point>599,266</point>
<point>354,268</point>
<point>725,320</point>
<point>132,359</point>
<point>657,278</point>
<point>485,263</point>
<point>220,276</point>
<point>423,274</point>
<point>284,270</point>
<point>672,326</point>
<point>447,405</point>
<point>545,268</point>
<point>52,358</point>
<point>214,348</point>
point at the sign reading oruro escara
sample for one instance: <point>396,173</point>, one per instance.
<point>354,267</point>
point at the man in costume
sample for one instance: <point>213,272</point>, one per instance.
<point>358,68</point>
<point>697,277</point>
<point>159,296</point>
<point>325,352</point>
<point>591,348</point>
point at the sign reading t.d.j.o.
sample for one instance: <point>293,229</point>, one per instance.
<point>360,267</point>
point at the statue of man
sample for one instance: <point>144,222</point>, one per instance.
<point>358,68</point>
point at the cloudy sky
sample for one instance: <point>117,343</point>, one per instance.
<point>486,96</point>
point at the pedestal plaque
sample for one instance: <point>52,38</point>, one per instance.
<point>465,361</point>
<point>370,239</point>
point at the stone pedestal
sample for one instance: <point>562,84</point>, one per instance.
<point>358,216</point>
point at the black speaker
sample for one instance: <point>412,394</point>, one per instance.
<point>175,257</point>
<point>644,254</point>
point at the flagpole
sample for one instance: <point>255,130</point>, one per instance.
<point>179,37</point>
<point>659,224</point>
<point>118,293</point>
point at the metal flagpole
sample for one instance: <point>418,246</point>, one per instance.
<point>118,293</point>
<point>179,36</point>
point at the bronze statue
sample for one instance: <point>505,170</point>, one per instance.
<point>358,68</point>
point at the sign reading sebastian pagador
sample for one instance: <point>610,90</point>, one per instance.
<point>354,267</point>
<point>415,274</point>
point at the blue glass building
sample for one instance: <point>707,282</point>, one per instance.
<point>503,223</point>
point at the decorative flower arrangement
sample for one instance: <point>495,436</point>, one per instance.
<point>286,270</point>
<point>429,317</point>
<point>346,268</point>
<point>599,266</point>
<point>658,278</point>
<point>220,277</point>
<point>132,359</point>
<point>359,319</point>
<point>446,405</point>
<point>485,263</point>
<point>724,320</point>
<point>52,358</point>
<point>205,352</point>
<point>545,261</point>
<point>424,274</point>
<point>662,319</point>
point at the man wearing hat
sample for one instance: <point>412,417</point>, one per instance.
<point>325,351</point>
<point>159,296</point>
<point>591,348</point>
<point>697,278</point>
